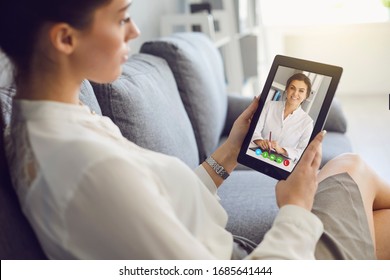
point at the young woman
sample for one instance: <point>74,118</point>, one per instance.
<point>91,194</point>
<point>288,125</point>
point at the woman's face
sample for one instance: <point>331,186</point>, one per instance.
<point>103,46</point>
<point>296,92</point>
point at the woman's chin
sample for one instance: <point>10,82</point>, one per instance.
<point>294,102</point>
<point>107,78</point>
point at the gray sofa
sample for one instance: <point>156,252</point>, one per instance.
<point>170,98</point>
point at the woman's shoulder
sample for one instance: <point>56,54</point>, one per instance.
<point>80,144</point>
<point>306,117</point>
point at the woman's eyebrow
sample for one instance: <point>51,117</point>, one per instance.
<point>125,7</point>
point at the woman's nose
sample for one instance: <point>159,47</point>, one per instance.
<point>132,31</point>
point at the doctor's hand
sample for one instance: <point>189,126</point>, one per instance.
<point>280,150</point>
<point>300,187</point>
<point>265,145</point>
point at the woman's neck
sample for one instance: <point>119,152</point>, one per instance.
<point>289,109</point>
<point>50,87</point>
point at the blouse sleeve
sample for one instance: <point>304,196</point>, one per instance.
<point>206,179</point>
<point>110,218</point>
<point>293,236</point>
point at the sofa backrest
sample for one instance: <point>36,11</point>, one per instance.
<point>199,73</point>
<point>87,96</point>
<point>146,106</point>
<point>17,239</point>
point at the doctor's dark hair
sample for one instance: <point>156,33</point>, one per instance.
<point>21,21</point>
<point>300,77</point>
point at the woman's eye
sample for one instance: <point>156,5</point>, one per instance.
<point>125,21</point>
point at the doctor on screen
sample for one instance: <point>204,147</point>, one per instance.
<point>284,126</point>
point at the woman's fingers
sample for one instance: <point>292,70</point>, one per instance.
<point>300,187</point>
<point>313,154</point>
<point>251,109</point>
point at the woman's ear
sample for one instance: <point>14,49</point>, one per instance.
<point>63,37</point>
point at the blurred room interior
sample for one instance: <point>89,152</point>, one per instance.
<point>352,34</point>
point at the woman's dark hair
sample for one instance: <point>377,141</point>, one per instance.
<point>21,21</point>
<point>300,77</point>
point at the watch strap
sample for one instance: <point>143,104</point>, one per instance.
<point>219,169</point>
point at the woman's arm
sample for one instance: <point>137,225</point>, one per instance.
<point>120,212</point>
<point>293,236</point>
<point>226,155</point>
<point>295,231</point>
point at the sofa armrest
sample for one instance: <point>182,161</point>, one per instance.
<point>336,121</point>
<point>236,105</point>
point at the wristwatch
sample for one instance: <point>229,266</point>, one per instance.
<point>217,168</point>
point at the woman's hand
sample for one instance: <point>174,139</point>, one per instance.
<point>300,187</point>
<point>226,155</point>
<point>241,126</point>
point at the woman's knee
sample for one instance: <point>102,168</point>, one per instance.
<point>350,163</point>
<point>360,172</point>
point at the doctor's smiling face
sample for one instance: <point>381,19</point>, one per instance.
<point>297,90</point>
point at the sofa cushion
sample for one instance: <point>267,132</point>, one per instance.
<point>236,105</point>
<point>146,106</point>
<point>198,69</point>
<point>333,145</point>
<point>336,120</point>
<point>17,239</point>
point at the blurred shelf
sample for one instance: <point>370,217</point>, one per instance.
<point>231,25</point>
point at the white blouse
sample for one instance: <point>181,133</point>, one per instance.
<point>292,133</point>
<point>89,193</point>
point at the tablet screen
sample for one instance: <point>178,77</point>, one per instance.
<point>292,109</point>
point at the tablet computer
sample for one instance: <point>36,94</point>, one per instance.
<point>293,107</point>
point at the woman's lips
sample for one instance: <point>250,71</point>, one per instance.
<point>125,58</point>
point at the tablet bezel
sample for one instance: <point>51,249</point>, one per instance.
<point>299,64</point>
